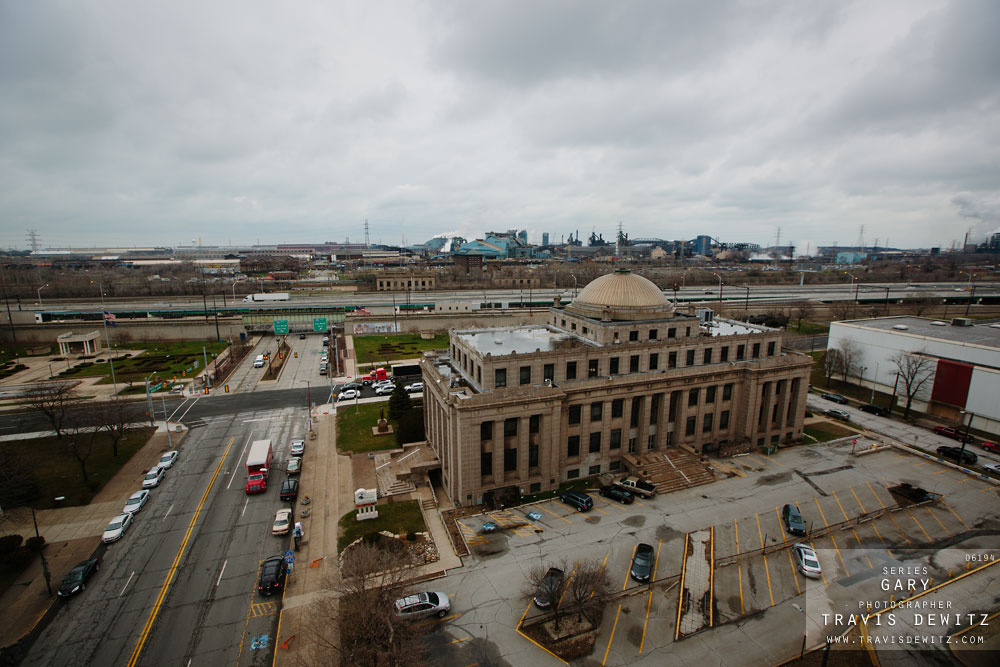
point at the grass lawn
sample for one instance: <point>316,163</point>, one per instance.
<point>163,361</point>
<point>57,473</point>
<point>809,328</point>
<point>354,429</point>
<point>380,348</point>
<point>400,518</point>
<point>826,432</point>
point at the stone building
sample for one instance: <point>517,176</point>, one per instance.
<point>616,372</point>
<point>405,281</point>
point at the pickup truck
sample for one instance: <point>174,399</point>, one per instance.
<point>637,486</point>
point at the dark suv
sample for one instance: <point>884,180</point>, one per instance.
<point>957,454</point>
<point>289,489</point>
<point>272,575</point>
<point>873,409</point>
<point>793,520</point>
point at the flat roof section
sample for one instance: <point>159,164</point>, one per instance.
<point>730,328</point>
<point>983,332</point>
<point>518,340</point>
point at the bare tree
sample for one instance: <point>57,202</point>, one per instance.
<point>849,353</point>
<point>540,584</point>
<point>81,433</point>
<point>114,418</point>
<point>832,362</point>
<point>914,369</point>
<point>803,311</point>
<point>918,306</point>
<point>843,310</point>
<point>53,401</point>
<point>586,589</point>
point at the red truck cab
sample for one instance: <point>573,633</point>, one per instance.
<point>256,483</point>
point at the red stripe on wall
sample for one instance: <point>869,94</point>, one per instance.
<point>951,383</point>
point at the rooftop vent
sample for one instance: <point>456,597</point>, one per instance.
<point>900,327</point>
<point>961,322</point>
<point>939,323</point>
<point>705,315</point>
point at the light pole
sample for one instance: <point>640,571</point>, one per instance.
<point>149,399</point>
<point>41,553</point>
<point>107,338</point>
<point>874,380</point>
<point>40,299</point>
<point>965,436</point>
<point>886,288</point>
<point>854,278</point>
<point>238,280</point>
<point>746,304</point>
<point>720,288</point>
<point>574,285</point>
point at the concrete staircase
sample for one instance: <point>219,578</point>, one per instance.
<point>669,471</point>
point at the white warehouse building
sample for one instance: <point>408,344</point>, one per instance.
<point>964,382</point>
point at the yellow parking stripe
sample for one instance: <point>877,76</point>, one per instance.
<point>918,524</point>
<point>823,576</point>
<point>875,494</point>
<point>905,538</point>
<point>860,504</point>
<point>739,566</point>
<point>875,528</point>
<point>794,573</point>
<point>613,627</point>
<point>767,570</point>
<point>607,502</point>
<point>846,518</point>
<point>832,538</point>
<point>601,571</point>
<point>948,507</point>
<point>547,510</point>
<point>649,602</point>
<point>950,534</point>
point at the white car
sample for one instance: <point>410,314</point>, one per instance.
<point>348,394</point>
<point>282,522</point>
<point>992,467</point>
<point>117,528</point>
<point>153,478</point>
<point>422,605</point>
<point>136,502</point>
<point>167,460</point>
<point>298,447</point>
<point>807,561</point>
<point>415,387</point>
<point>385,389</point>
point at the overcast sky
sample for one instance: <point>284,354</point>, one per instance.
<point>141,123</point>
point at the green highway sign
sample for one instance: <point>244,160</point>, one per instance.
<point>281,326</point>
<point>319,324</point>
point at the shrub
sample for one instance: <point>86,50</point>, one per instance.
<point>34,544</point>
<point>9,543</point>
<point>411,537</point>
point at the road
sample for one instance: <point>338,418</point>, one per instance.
<point>192,556</point>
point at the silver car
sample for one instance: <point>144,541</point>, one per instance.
<point>806,560</point>
<point>152,478</point>
<point>422,605</point>
<point>136,502</point>
<point>167,460</point>
<point>117,528</point>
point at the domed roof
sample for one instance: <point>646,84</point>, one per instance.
<point>621,295</point>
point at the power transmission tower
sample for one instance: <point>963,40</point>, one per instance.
<point>32,238</point>
<point>367,242</point>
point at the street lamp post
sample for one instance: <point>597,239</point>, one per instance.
<point>874,379</point>
<point>41,553</point>
<point>965,436</point>
<point>238,280</point>
<point>746,304</point>
<point>854,279</point>
<point>720,288</point>
<point>40,294</point>
<point>107,339</point>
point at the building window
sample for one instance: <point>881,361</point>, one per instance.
<point>572,326</point>
<point>595,442</point>
<point>710,394</point>
<point>525,375</point>
<point>573,474</point>
<point>770,349</point>
<point>690,358</point>
<point>534,422</point>
<point>654,361</point>
<point>654,408</point>
<point>592,366</point>
<point>549,372</point>
<point>652,334</point>
<point>633,363</point>
<point>617,407</point>
<point>574,414</point>
<point>500,377</point>
<point>724,353</point>
<point>570,370</point>
<point>535,487</point>
<point>596,411</point>
<point>632,445</point>
<point>708,355</point>
<point>672,360</point>
<point>479,375</point>
<point>671,333</point>
<point>616,438</point>
<point>633,336</point>
<point>486,464</point>
<point>706,426</point>
<point>510,427</point>
<point>687,332</point>
<point>573,446</point>
<point>585,331</point>
<point>613,366</point>
<point>689,426</point>
<point>486,431</point>
<point>564,323</point>
<point>651,441</point>
<point>727,392</point>
<point>693,397</point>
<point>740,352</point>
<point>510,459</point>
<point>595,470</point>
<point>756,350</point>
<point>636,411</point>
<point>774,439</point>
<point>724,420</point>
<point>615,466</point>
<point>532,456</point>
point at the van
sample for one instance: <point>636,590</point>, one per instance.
<point>581,501</point>
<point>322,368</point>
<point>259,361</point>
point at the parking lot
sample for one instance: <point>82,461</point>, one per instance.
<point>844,501</point>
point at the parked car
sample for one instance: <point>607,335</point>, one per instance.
<point>874,409</point>
<point>415,387</point>
<point>348,395</point>
<point>422,605</point>
<point>351,385</point>
<point>548,588</point>
<point>136,502</point>
<point>282,522</point>
<point>793,520</point>
<point>256,483</point>
<point>617,493</point>
<point>298,448</point>
<point>806,560</point>
<point>990,446</point>
<point>272,575</point>
<point>385,389</point>
<point>116,529</point>
<point>642,562</point>
<point>948,432</point>
<point>152,478</point>
<point>992,467</point>
<point>302,336</point>
<point>838,414</point>
<point>76,580</point>
<point>167,460</point>
<point>289,489</point>
<point>294,466</point>
<point>581,501</point>
<point>957,454</point>
<point>836,398</point>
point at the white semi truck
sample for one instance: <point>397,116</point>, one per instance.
<point>273,296</point>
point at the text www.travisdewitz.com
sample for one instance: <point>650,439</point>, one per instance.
<point>906,639</point>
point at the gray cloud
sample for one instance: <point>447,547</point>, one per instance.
<point>126,123</point>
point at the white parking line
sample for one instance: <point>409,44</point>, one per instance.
<point>221,571</point>
<point>181,418</point>
<point>127,583</point>
<point>232,477</point>
<point>245,507</point>
<point>168,512</point>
